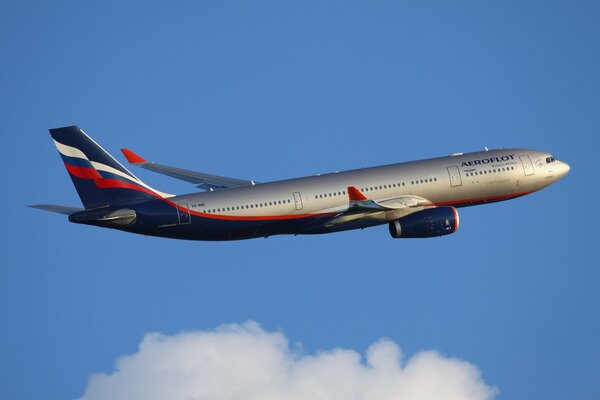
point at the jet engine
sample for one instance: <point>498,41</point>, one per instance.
<point>438,221</point>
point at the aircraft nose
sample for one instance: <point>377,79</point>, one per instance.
<point>565,168</point>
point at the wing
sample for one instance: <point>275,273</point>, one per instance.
<point>388,209</point>
<point>200,179</point>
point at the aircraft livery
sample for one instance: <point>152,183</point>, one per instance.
<point>416,199</point>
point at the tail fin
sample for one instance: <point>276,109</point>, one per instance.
<point>100,180</point>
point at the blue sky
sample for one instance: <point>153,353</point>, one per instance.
<point>270,90</point>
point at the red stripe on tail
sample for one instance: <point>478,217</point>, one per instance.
<point>82,172</point>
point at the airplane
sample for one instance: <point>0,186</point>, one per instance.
<point>417,199</point>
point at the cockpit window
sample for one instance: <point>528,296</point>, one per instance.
<point>550,160</point>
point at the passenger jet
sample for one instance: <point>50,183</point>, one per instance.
<point>417,199</point>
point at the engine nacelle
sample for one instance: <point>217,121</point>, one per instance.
<point>438,221</point>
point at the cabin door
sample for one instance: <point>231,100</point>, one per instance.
<point>454,174</point>
<point>527,165</point>
<point>298,200</point>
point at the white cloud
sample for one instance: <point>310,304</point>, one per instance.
<point>246,362</point>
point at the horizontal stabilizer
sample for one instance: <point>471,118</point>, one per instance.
<point>57,209</point>
<point>200,179</point>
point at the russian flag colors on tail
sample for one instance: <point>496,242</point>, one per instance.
<point>100,180</point>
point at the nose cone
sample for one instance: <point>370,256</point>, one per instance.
<point>565,168</point>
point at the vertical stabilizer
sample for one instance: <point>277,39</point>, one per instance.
<point>99,179</point>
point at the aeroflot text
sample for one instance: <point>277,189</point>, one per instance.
<point>488,160</point>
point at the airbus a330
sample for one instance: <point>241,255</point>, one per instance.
<point>417,199</point>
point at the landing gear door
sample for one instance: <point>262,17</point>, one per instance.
<point>183,214</point>
<point>298,200</point>
<point>527,165</point>
<point>454,175</point>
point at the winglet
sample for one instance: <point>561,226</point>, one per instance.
<point>132,157</point>
<point>355,194</point>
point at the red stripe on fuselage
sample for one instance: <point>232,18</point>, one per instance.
<point>480,199</point>
<point>253,217</point>
<point>297,216</point>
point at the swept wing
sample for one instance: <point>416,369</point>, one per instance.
<point>200,179</point>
